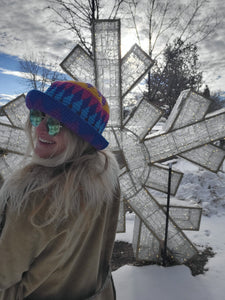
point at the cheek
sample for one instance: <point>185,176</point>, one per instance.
<point>61,142</point>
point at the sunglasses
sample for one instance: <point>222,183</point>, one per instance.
<point>53,125</point>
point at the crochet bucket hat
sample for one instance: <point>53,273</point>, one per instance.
<point>77,105</point>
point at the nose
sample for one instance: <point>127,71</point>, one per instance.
<point>42,127</point>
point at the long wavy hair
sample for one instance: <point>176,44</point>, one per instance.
<point>66,184</point>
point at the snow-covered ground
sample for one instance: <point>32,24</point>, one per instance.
<point>177,283</point>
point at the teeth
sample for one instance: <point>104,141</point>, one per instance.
<point>45,141</point>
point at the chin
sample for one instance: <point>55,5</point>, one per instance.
<point>43,154</point>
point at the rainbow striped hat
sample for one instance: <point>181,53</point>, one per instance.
<point>77,105</point>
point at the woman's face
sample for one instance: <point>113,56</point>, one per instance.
<point>49,146</point>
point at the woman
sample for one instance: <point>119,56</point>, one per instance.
<point>61,209</point>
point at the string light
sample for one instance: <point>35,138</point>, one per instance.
<point>186,129</point>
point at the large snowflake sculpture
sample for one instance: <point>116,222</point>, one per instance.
<point>188,133</point>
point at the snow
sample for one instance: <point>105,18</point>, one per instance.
<point>176,283</point>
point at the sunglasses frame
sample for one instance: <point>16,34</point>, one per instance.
<point>53,125</point>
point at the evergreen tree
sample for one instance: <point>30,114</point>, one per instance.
<point>178,71</point>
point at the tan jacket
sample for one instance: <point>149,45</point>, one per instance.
<point>63,263</point>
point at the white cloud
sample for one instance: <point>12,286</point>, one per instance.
<point>26,26</point>
<point>5,98</point>
<point>19,74</point>
<point>14,73</point>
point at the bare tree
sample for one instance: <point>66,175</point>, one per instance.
<point>170,21</point>
<point>160,22</point>
<point>38,72</point>
<point>77,16</point>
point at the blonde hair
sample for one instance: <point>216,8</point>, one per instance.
<point>78,178</point>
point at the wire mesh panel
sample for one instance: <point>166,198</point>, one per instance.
<point>158,179</point>
<point>186,130</point>
<point>137,158</point>
<point>160,146</point>
<point>114,136</point>
<point>143,118</point>
<point>13,139</point>
<point>107,66</point>
<point>133,161</point>
<point>190,108</point>
<point>187,218</point>
<point>186,214</point>
<point>186,138</point>
<point>154,218</point>
<point>9,163</point>
<point>128,186</point>
<point>79,65</point>
<point>207,156</point>
<point>16,111</point>
<point>121,224</point>
<point>145,245</point>
<point>215,124</point>
<point>135,64</point>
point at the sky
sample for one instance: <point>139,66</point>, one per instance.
<point>28,27</point>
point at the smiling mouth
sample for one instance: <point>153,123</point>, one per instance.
<point>45,141</point>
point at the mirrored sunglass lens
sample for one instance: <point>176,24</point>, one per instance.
<point>53,126</point>
<point>36,117</point>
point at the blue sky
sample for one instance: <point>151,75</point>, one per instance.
<point>9,83</point>
<point>12,82</point>
<point>27,27</point>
